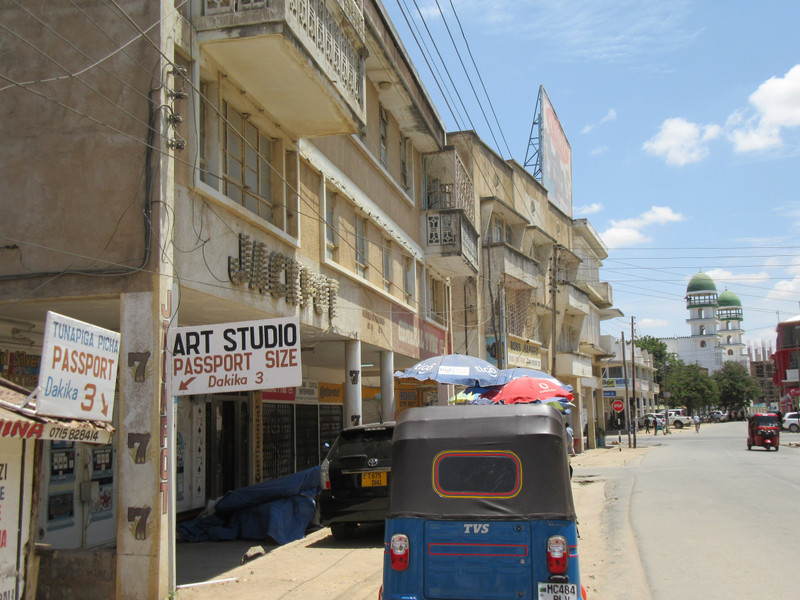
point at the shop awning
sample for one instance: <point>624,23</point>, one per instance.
<point>18,421</point>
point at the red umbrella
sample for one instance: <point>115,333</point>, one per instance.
<point>523,390</point>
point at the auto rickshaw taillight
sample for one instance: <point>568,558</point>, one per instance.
<point>398,552</point>
<point>557,555</point>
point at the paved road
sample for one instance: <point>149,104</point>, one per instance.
<point>695,516</point>
<point>707,517</point>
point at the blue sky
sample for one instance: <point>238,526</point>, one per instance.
<point>684,123</point>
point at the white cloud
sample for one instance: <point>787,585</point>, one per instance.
<point>629,232</point>
<point>787,289</point>
<point>723,276</point>
<point>681,142</point>
<point>777,106</point>
<point>599,150</point>
<point>646,323</point>
<point>589,209</point>
<point>611,115</point>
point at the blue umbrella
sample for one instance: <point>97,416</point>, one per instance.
<point>458,369</point>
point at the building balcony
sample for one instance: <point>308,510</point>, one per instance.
<point>303,61</point>
<point>447,184</point>
<point>701,301</point>
<point>518,269</point>
<point>577,300</point>
<point>451,242</point>
<point>572,364</point>
<point>599,292</point>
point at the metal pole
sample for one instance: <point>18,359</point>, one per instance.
<point>633,381</point>
<point>625,376</point>
<point>553,294</point>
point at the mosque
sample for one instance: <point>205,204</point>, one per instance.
<point>715,322</point>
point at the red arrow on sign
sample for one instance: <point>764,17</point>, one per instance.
<point>185,384</point>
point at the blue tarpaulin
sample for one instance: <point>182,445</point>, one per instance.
<point>280,509</point>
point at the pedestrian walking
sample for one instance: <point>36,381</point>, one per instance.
<point>659,426</point>
<point>696,420</point>
<point>647,424</point>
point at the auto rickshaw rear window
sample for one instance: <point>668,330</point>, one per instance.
<point>767,420</point>
<point>477,474</point>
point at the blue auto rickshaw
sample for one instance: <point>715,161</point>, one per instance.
<point>480,506</point>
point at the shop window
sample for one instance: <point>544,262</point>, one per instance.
<point>331,422</point>
<point>277,440</point>
<point>307,443</point>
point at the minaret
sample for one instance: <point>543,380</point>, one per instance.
<point>701,302</point>
<point>729,315</point>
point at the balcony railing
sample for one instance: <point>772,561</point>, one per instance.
<point>240,35</point>
<point>448,236</point>
<point>353,9</point>
<point>448,184</point>
<point>507,260</point>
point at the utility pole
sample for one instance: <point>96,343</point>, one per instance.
<point>627,401</point>
<point>633,382</point>
<point>502,334</point>
<point>553,294</point>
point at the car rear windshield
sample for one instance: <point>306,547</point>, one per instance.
<point>477,474</point>
<point>373,443</point>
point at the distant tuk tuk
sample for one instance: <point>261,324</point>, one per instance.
<point>481,506</point>
<point>764,429</point>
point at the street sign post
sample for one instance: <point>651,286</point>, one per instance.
<point>228,357</point>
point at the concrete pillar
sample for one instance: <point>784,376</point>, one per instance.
<point>143,484</point>
<point>387,385</point>
<point>352,383</point>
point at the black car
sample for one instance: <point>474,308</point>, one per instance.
<point>355,478</point>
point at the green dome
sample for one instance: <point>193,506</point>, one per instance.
<point>727,298</point>
<point>701,283</point>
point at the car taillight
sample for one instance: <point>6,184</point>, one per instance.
<point>398,552</point>
<point>557,555</point>
<point>324,475</point>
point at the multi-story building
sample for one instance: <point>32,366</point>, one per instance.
<point>787,363</point>
<point>213,162</point>
<point>762,370</point>
<point>191,164</point>
<point>629,373</point>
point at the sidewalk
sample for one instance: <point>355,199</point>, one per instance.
<point>302,569</point>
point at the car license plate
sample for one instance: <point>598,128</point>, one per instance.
<point>373,479</point>
<point>558,591</point>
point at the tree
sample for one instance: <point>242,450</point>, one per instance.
<point>737,389</point>
<point>658,350</point>
<point>690,386</point>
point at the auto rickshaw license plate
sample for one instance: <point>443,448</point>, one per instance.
<point>558,591</point>
<point>373,479</point>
